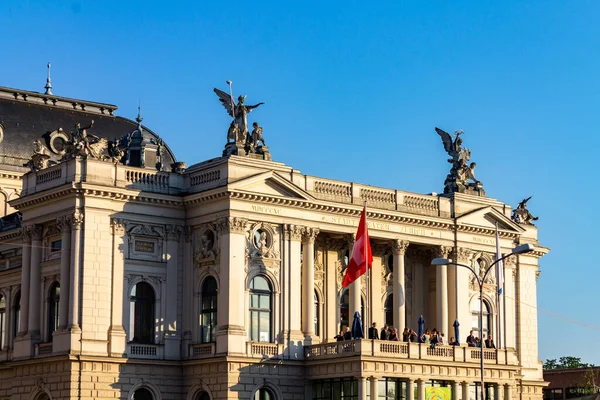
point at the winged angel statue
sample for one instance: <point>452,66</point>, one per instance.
<point>461,172</point>
<point>238,130</point>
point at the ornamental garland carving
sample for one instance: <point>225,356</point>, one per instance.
<point>262,248</point>
<point>386,274</point>
<point>464,255</point>
<point>443,251</point>
<point>319,269</point>
<point>174,232</point>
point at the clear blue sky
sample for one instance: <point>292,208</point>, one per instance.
<point>353,92</point>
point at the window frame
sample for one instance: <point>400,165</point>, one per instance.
<point>137,323</point>
<point>209,298</point>
<point>53,309</point>
<point>258,312</point>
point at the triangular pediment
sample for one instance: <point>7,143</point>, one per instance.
<point>487,218</point>
<point>270,184</point>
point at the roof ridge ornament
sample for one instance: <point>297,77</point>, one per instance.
<point>139,118</point>
<point>48,86</point>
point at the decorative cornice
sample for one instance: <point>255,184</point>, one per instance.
<point>399,246</point>
<point>485,231</point>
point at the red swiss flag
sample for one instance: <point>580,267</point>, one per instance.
<point>357,265</point>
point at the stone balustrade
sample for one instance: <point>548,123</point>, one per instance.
<point>409,351</point>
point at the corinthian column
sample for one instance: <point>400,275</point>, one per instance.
<point>231,335</point>
<point>172,329</point>
<point>442,290</point>
<point>308,284</point>
<point>77,221</point>
<point>116,332</point>
<point>64,225</point>
<point>25,273</point>
<point>399,313</point>
<point>34,283</point>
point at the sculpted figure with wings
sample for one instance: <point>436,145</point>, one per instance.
<point>521,214</point>
<point>238,131</point>
<point>461,172</point>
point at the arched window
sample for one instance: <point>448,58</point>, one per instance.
<point>317,321</point>
<point>388,306</point>
<point>17,315</point>
<point>486,318</point>
<point>344,309</point>
<point>263,394</point>
<point>209,310</point>
<point>53,308</point>
<point>202,396</point>
<point>260,309</point>
<point>142,393</point>
<point>142,314</point>
<point>2,321</point>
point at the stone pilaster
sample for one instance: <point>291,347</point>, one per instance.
<point>420,389</point>
<point>510,269</point>
<point>442,290</point>
<point>399,248</point>
<point>74,281</point>
<point>231,335</point>
<point>64,226</point>
<point>188,289</point>
<point>293,337</point>
<point>22,345</point>
<point>35,291</point>
<point>410,389</point>
<point>308,285</point>
<point>116,333</point>
<point>463,276</point>
<point>172,330</point>
<point>61,341</point>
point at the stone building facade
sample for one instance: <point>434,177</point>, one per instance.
<point>146,280</point>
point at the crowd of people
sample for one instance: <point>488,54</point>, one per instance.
<point>429,337</point>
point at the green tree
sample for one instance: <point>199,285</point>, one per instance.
<point>566,363</point>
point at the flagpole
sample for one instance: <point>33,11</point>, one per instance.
<point>499,289</point>
<point>367,308</point>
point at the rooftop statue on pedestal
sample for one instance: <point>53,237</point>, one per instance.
<point>83,144</point>
<point>462,174</point>
<point>521,214</point>
<point>239,140</point>
<point>39,159</point>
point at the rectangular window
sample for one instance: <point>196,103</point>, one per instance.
<point>55,246</point>
<point>335,389</point>
<point>553,394</point>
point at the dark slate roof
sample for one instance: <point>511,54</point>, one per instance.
<point>28,116</point>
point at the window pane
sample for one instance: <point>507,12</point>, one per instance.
<point>264,303</point>
<point>264,327</point>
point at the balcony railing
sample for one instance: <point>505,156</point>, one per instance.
<point>204,350</point>
<point>264,350</point>
<point>152,351</point>
<point>410,351</point>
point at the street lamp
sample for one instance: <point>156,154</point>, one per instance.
<point>524,248</point>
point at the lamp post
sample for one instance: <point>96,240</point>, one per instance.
<point>524,248</point>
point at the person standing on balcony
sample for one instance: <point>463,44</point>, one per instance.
<point>384,332</point>
<point>374,332</point>
<point>348,334</point>
<point>394,335</point>
<point>339,337</point>
<point>489,343</point>
<point>471,340</point>
<point>406,335</point>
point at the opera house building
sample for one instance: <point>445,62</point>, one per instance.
<point>128,274</point>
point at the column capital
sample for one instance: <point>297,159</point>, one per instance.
<point>188,232</point>
<point>63,224</point>
<point>510,261</point>
<point>118,226</point>
<point>443,251</point>
<point>293,232</point>
<point>76,219</point>
<point>464,255</point>
<point>173,232</point>
<point>310,235</point>
<point>399,246</point>
<point>231,225</point>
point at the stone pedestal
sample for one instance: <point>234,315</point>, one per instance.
<point>234,149</point>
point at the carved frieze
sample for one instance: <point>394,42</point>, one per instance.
<point>231,225</point>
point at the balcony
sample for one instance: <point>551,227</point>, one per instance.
<point>150,351</point>
<point>408,351</point>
